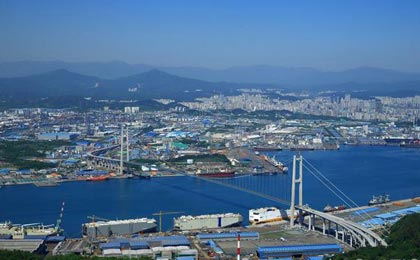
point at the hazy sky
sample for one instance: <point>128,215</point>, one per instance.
<point>323,34</point>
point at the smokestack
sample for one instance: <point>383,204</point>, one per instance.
<point>239,247</point>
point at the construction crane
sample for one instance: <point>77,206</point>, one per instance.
<point>93,218</point>
<point>161,213</point>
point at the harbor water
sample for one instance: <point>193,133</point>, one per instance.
<point>359,171</point>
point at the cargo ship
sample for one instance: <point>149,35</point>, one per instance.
<point>301,148</point>
<point>207,221</point>
<point>18,231</point>
<point>267,149</point>
<point>7,228</point>
<point>215,174</point>
<point>275,163</point>
<point>397,140</point>
<point>269,214</point>
<point>328,208</point>
<point>110,228</point>
<point>381,199</point>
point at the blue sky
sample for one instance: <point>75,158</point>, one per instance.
<point>329,35</point>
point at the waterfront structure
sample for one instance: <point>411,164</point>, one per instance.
<point>207,221</point>
<point>228,236</point>
<point>270,252</point>
<point>111,228</point>
<point>168,247</point>
<point>268,214</point>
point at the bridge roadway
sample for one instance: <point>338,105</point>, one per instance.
<point>352,233</point>
<point>96,159</point>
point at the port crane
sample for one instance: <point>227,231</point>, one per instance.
<point>93,218</point>
<point>161,213</point>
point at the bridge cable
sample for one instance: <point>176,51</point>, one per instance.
<point>364,215</point>
<point>332,184</point>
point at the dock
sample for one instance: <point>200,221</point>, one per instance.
<point>45,184</point>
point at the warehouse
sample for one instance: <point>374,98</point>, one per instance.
<point>298,250</point>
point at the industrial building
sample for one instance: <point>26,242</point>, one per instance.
<point>298,250</point>
<point>168,247</point>
<point>389,217</point>
<point>62,136</point>
<point>228,236</point>
<point>28,245</point>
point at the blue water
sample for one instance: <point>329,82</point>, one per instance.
<point>359,171</point>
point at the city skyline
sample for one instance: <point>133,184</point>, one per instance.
<point>326,36</point>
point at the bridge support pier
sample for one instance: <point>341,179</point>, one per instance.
<point>301,217</point>
<point>323,226</point>
<point>329,227</point>
<point>336,231</point>
<point>313,221</point>
<point>309,222</point>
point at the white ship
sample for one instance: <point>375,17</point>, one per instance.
<point>40,230</point>
<point>207,221</point>
<point>7,228</point>
<point>268,214</point>
<point>19,231</point>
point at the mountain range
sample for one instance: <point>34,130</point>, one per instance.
<point>152,83</point>
<point>143,86</point>
<point>265,74</point>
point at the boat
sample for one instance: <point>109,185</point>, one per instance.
<point>381,199</point>
<point>111,228</point>
<point>145,168</point>
<point>275,163</point>
<point>207,221</point>
<point>328,208</point>
<point>39,229</point>
<point>6,228</point>
<point>98,178</point>
<point>215,174</point>
<point>411,144</point>
<point>397,140</point>
<point>18,231</point>
<point>301,148</point>
<point>267,149</point>
<point>269,214</point>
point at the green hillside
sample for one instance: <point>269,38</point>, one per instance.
<point>403,241</point>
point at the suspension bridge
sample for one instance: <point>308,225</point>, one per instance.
<point>344,230</point>
<point>286,190</point>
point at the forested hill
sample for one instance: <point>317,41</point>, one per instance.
<point>403,241</point>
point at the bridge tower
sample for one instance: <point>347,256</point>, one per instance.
<point>124,147</point>
<point>121,150</point>
<point>128,147</point>
<point>296,180</point>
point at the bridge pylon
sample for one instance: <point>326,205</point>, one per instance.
<point>296,180</point>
